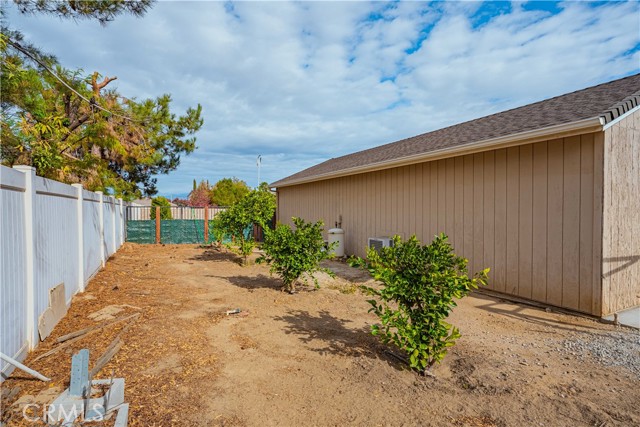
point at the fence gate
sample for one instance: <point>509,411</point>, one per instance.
<point>172,225</point>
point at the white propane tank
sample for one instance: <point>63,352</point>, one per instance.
<point>337,235</point>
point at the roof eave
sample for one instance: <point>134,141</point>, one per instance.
<point>593,124</point>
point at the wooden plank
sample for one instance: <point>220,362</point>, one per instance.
<point>571,224</point>
<point>598,194</point>
<point>606,221</point>
<point>379,189</point>
<point>426,202</point>
<point>389,190</point>
<point>418,209</point>
<point>467,249</point>
<point>477,260</point>
<point>513,188</point>
<point>111,351</point>
<point>395,197</point>
<point>411,213</point>
<point>539,223</point>
<point>351,211</point>
<point>442,196</point>
<point>434,198</point>
<point>158,224</point>
<point>370,207</point>
<point>489,214</point>
<point>500,252</point>
<point>458,214</point>
<point>79,335</point>
<point>407,229</point>
<point>450,196</point>
<point>555,179</point>
<point>621,220</point>
<point>586,223</point>
<point>206,224</point>
<point>525,226</point>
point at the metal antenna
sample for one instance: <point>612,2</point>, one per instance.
<point>258,163</point>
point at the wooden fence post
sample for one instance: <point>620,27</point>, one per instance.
<point>157,224</point>
<point>206,224</point>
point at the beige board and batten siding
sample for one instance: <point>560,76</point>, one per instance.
<point>532,213</point>
<point>621,218</point>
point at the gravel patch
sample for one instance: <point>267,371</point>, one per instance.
<point>609,349</point>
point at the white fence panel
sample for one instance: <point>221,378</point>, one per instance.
<point>91,233</point>
<point>55,232</point>
<point>51,233</point>
<point>13,292</point>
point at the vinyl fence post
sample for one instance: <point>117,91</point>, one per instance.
<point>79,232</point>
<point>123,222</point>
<point>101,217</point>
<point>206,224</point>
<point>157,224</point>
<point>113,223</point>
<point>29,202</point>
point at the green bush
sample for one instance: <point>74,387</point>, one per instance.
<point>292,254</point>
<point>257,207</point>
<point>165,207</point>
<point>233,223</point>
<point>419,285</point>
<point>216,231</point>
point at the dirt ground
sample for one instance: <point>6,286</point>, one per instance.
<point>308,359</point>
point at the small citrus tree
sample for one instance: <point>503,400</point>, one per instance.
<point>257,207</point>
<point>292,254</point>
<point>419,288</point>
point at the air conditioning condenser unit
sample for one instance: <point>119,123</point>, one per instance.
<point>378,243</point>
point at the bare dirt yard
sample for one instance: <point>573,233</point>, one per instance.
<point>308,358</point>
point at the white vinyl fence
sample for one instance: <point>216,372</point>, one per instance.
<point>50,233</point>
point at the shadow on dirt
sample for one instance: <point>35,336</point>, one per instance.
<point>528,313</point>
<point>335,336</point>
<point>215,255</point>
<point>261,281</point>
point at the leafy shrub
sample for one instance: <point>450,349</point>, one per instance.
<point>216,231</point>
<point>292,254</point>
<point>165,207</point>
<point>420,284</point>
<point>233,223</point>
<point>257,207</point>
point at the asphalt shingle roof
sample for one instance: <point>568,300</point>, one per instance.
<point>608,101</point>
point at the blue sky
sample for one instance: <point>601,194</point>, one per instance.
<point>302,82</point>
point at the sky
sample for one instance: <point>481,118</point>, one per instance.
<point>301,82</point>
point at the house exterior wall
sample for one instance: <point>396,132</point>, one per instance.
<point>532,213</point>
<point>621,218</point>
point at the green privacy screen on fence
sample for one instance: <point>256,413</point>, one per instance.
<point>182,231</point>
<point>172,231</point>
<point>141,231</point>
<point>185,226</point>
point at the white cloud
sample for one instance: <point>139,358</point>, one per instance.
<point>302,82</point>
